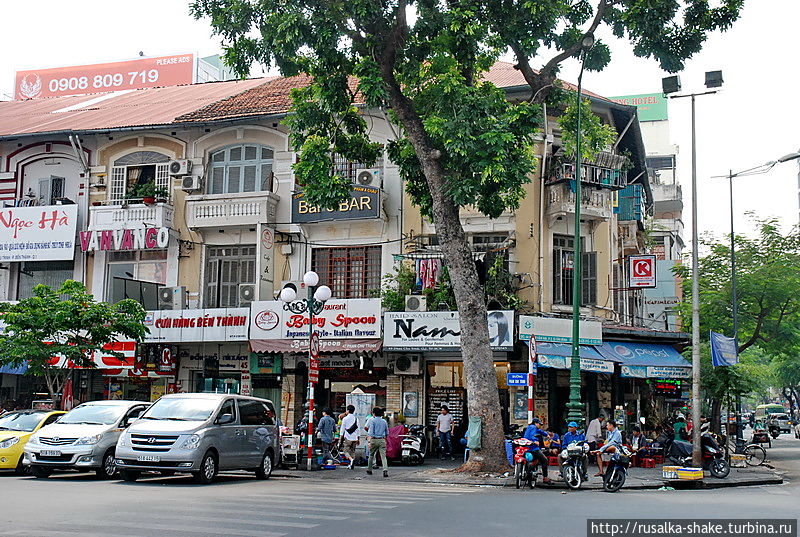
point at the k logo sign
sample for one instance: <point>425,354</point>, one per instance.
<point>642,271</point>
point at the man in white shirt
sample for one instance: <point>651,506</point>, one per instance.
<point>444,428</point>
<point>594,433</point>
<point>349,434</point>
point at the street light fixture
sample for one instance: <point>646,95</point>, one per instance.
<point>575,406</point>
<point>313,304</point>
<point>758,170</point>
<point>672,85</point>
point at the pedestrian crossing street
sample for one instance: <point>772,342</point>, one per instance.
<point>273,508</point>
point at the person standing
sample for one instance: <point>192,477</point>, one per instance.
<point>326,429</point>
<point>349,435</point>
<point>594,433</point>
<point>680,429</point>
<point>444,428</point>
<point>377,431</point>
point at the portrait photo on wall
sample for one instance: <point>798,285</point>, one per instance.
<point>411,404</point>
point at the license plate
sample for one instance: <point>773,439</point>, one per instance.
<point>50,453</point>
<point>148,458</point>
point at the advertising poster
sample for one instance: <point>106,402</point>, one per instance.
<point>44,233</point>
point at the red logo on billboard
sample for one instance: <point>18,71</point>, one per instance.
<point>115,76</point>
<point>643,270</point>
<point>267,319</point>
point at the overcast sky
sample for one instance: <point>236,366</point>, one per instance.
<point>754,119</point>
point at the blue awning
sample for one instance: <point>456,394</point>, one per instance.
<point>14,369</point>
<point>642,354</point>
<point>565,349</point>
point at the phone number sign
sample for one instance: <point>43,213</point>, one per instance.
<point>115,76</point>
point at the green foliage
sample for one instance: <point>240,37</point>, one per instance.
<point>499,285</point>
<point>441,296</point>
<point>396,286</point>
<point>147,190</point>
<point>596,136</point>
<point>768,289</point>
<point>65,322</point>
<point>750,375</point>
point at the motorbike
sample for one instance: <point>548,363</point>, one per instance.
<point>617,470</point>
<point>414,445</point>
<point>680,453</point>
<point>526,466</point>
<point>573,464</point>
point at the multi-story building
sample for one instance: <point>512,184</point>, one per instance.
<point>186,202</point>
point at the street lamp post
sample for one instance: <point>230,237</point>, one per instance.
<point>575,406</point>
<point>672,84</point>
<point>313,305</point>
<point>758,170</point>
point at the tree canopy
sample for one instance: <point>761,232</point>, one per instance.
<point>65,322</point>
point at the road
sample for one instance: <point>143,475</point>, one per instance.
<point>238,505</point>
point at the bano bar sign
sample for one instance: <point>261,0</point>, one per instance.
<point>364,203</point>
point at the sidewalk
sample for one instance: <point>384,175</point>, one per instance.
<point>440,472</point>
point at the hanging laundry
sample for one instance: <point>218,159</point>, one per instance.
<point>418,274</point>
<point>432,273</point>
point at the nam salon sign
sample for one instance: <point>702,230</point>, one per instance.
<point>124,239</point>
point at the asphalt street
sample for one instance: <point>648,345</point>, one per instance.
<point>239,505</point>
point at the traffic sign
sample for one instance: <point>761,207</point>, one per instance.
<point>517,379</point>
<point>313,347</point>
<point>313,370</point>
<point>642,271</point>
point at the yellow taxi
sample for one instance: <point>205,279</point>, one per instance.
<point>16,427</point>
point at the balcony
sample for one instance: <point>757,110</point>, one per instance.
<point>130,216</point>
<point>223,210</point>
<point>606,170</point>
<point>595,203</point>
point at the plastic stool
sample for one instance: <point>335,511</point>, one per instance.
<point>552,461</point>
<point>647,463</point>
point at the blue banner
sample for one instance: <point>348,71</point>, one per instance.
<point>724,351</point>
<point>517,379</point>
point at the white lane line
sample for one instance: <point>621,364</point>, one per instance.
<point>337,498</point>
<point>123,528</point>
<point>239,515</point>
<point>290,504</point>
<point>234,518</point>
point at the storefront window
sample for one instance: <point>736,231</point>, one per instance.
<point>51,273</point>
<point>241,168</point>
<point>227,267</point>
<point>137,275</point>
<point>224,383</point>
<point>447,374</point>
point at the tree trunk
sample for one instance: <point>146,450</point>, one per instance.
<point>55,379</point>
<point>483,399</point>
<point>716,415</point>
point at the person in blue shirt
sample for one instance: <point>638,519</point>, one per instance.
<point>572,435</point>
<point>535,434</point>
<point>613,443</point>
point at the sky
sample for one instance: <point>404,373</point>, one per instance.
<point>754,119</point>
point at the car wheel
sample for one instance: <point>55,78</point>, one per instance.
<point>208,469</point>
<point>129,475</point>
<point>265,470</point>
<point>41,473</point>
<point>108,466</point>
<point>21,469</point>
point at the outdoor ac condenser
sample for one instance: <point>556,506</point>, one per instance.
<point>172,298</point>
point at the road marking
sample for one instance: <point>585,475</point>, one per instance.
<point>338,498</point>
<point>239,515</point>
<point>236,520</point>
<point>137,530</point>
<point>291,505</point>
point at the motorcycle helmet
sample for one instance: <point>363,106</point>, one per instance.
<point>529,456</point>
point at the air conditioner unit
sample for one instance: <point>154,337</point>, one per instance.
<point>190,183</point>
<point>416,303</point>
<point>369,177</point>
<point>247,293</point>
<point>298,285</point>
<point>172,298</point>
<point>180,167</point>
<point>408,364</point>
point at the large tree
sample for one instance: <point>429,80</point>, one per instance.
<point>65,323</point>
<point>459,142</point>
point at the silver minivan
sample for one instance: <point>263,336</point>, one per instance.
<point>201,434</point>
<point>82,439</point>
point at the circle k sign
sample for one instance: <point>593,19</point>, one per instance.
<point>642,270</point>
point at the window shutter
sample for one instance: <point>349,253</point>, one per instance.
<point>212,277</point>
<point>589,278</point>
<point>44,191</point>
<point>117,192</point>
<point>558,297</point>
<point>217,185</point>
<point>162,178</point>
<point>56,188</point>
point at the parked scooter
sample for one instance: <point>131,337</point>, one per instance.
<point>680,453</point>
<point>573,465</point>
<point>414,445</point>
<point>617,470</point>
<point>526,466</point>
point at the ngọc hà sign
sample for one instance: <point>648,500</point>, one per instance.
<point>124,239</point>
<point>38,233</point>
<point>364,203</point>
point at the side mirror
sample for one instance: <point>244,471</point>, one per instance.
<point>225,418</point>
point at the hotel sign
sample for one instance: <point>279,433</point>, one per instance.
<point>364,203</point>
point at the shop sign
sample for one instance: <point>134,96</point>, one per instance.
<point>587,364</point>
<point>117,240</point>
<point>554,330</point>
<point>364,202</point>
<point>105,360</point>
<point>665,372</point>
<point>356,318</point>
<point>517,379</point>
<point>246,383</point>
<point>38,233</point>
<point>642,271</point>
<point>229,358</point>
<point>265,364</point>
<point>425,330</point>
<point>649,106</point>
<point>197,326</point>
<point>337,361</point>
<point>101,77</point>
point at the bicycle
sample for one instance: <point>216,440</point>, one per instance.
<point>754,454</point>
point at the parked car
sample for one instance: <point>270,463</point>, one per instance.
<point>201,434</point>
<point>83,439</point>
<point>16,428</point>
<point>778,423</point>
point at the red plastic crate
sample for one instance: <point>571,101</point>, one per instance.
<point>659,459</point>
<point>552,461</point>
<point>647,463</point>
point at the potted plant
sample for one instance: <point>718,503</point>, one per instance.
<point>148,192</point>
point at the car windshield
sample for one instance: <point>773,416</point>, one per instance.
<point>189,409</point>
<point>20,421</point>
<point>779,416</point>
<point>94,414</point>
